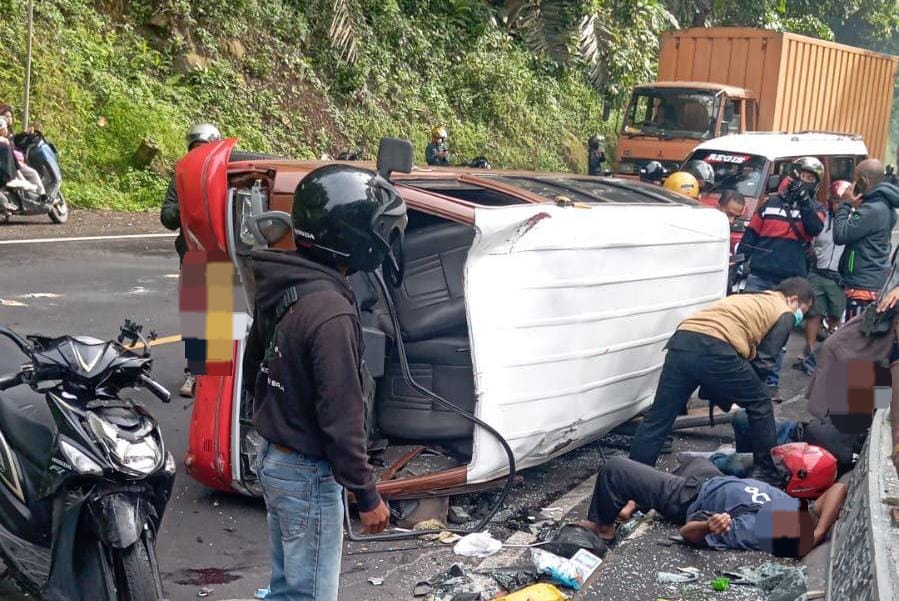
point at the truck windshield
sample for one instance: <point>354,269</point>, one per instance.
<point>734,170</point>
<point>673,112</point>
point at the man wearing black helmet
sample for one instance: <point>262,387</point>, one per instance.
<point>596,155</point>
<point>779,234</point>
<point>653,173</point>
<point>309,406</point>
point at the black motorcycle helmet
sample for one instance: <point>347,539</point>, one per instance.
<point>480,162</point>
<point>702,171</point>
<point>653,173</point>
<point>348,216</point>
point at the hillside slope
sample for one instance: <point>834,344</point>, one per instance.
<point>109,74</point>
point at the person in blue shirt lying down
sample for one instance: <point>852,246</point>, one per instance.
<point>716,511</point>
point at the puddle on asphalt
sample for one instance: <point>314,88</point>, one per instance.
<point>205,577</point>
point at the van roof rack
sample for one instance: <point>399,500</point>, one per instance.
<point>851,136</point>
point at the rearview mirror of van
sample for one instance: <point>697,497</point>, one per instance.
<point>394,154</point>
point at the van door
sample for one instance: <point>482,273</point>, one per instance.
<point>569,310</point>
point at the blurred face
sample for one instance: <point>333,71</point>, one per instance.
<point>733,210</point>
<point>8,115</point>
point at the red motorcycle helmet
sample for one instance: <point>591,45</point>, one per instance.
<point>812,470</point>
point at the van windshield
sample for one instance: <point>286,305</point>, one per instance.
<point>734,171</point>
<point>673,113</point>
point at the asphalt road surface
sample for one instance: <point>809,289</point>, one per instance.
<point>219,541</point>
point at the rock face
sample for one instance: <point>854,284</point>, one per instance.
<point>188,62</point>
<point>236,49</point>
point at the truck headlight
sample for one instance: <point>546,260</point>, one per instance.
<point>140,456</point>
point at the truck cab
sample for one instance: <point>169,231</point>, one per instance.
<point>665,121</point>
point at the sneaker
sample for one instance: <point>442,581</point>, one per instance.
<point>187,389</point>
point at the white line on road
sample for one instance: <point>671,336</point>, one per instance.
<point>87,238</point>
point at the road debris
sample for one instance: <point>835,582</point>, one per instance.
<point>449,585</point>
<point>375,581</point>
<point>571,538</point>
<point>512,579</point>
<point>682,576</point>
<point>430,525</point>
<point>205,592</point>
<point>446,537</point>
<point>720,584</point>
<point>262,593</point>
<point>458,515</point>
<point>537,592</point>
<point>571,573</point>
<point>11,303</point>
<point>780,582</point>
<point>477,544</point>
<point>40,295</point>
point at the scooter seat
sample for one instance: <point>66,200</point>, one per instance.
<point>27,424</point>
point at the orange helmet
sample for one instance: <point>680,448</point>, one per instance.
<point>438,133</point>
<point>811,469</point>
<point>683,183</point>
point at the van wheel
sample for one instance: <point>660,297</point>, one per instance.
<point>59,212</point>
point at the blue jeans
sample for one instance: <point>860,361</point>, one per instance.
<point>743,437</point>
<point>755,283</point>
<point>305,521</point>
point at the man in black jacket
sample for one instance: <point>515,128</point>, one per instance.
<point>779,233</point>
<point>865,225</point>
<point>308,394</point>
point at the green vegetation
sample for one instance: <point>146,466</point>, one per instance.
<point>524,82</point>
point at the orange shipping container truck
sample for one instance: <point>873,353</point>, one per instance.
<point>724,80</point>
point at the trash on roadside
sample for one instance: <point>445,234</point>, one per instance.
<point>571,573</point>
<point>262,593</point>
<point>375,581</point>
<point>683,575</point>
<point>780,582</point>
<point>537,592</point>
<point>458,515</point>
<point>11,303</point>
<point>450,585</point>
<point>720,584</point>
<point>430,525</point>
<point>477,544</point>
<point>571,538</point>
<point>205,592</point>
<point>421,589</point>
<point>512,580</point>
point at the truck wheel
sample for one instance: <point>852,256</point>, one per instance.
<point>136,580</point>
<point>59,212</point>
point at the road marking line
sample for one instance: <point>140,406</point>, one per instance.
<point>158,341</point>
<point>88,238</point>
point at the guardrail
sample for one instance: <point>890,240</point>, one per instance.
<point>864,552</point>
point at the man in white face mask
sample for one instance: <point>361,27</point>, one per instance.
<point>727,350</point>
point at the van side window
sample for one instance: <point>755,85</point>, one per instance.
<point>841,168</point>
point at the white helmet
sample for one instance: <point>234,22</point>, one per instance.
<point>202,133</point>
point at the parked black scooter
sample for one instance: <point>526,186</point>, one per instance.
<point>41,156</point>
<point>84,474</point>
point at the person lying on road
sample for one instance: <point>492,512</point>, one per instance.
<point>718,511</point>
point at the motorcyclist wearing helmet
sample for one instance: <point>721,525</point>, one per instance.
<point>437,152</point>
<point>779,234</point>
<point>596,155</point>
<point>309,400</point>
<point>653,173</point>
<point>864,223</point>
<point>721,511</point>
<point>683,183</point>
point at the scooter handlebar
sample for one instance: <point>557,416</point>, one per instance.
<point>10,380</point>
<point>158,390</point>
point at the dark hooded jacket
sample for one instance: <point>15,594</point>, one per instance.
<point>866,233</point>
<point>310,398</point>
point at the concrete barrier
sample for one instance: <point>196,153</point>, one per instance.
<point>865,544</point>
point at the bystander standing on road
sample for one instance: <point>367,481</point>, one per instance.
<point>199,134</point>
<point>864,224</point>
<point>310,408</point>
<point>830,300</point>
<point>778,235</point>
<point>727,349</point>
<point>596,155</point>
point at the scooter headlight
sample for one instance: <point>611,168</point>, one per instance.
<point>140,456</point>
<point>82,463</point>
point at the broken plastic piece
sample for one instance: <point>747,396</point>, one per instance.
<point>262,593</point>
<point>682,576</point>
<point>537,592</point>
<point>375,581</point>
<point>477,544</point>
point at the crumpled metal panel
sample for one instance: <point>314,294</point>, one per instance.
<point>569,310</point>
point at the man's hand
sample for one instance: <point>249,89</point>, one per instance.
<point>719,523</point>
<point>888,301</point>
<point>376,520</point>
